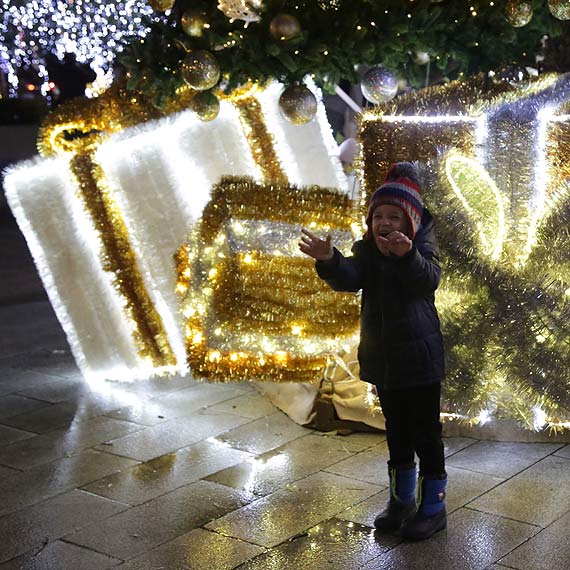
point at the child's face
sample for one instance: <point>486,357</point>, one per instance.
<point>386,219</point>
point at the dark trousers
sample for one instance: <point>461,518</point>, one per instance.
<point>413,427</point>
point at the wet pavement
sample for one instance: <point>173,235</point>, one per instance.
<point>175,474</point>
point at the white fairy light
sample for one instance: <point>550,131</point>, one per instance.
<point>92,29</point>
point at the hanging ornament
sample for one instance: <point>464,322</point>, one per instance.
<point>518,13</point>
<point>559,9</point>
<point>246,10</point>
<point>161,5</point>
<point>513,75</point>
<point>379,85</point>
<point>284,27</point>
<point>200,69</point>
<point>298,104</point>
<point>206,105</point>
<point>329,4</point>
<point>421,57</point>
<point>194,22</point>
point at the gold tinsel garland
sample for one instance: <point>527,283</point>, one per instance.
<point>255,307</point>
<point>118,259</point>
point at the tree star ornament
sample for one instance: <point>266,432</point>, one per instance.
<point>200,70</point>
<point>246,10</point>
<point>298,104</point>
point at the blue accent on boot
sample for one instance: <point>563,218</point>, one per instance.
<point>432,496</point>
<point>404,481</point>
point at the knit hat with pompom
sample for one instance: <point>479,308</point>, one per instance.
<point>401,188</point>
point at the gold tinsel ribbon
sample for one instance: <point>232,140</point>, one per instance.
<point>119,259</point>
<point>259,138</point>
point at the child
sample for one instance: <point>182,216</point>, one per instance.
<point>401,350</point>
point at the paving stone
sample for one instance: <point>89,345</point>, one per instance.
<point>59,443</point>
<point>264,434</point>
<point>547,550</point>
<point>251,406</point>
<point>10,435</point>
<point>370,465</point>
<point>197,550</point>
<point>61,390</point>
<point>163,474</point>
<point>539,495</point>
<point>472,541</point>
<point>292,510</point>
<point>30,528</point>
<point>12,405</point>
<point>333,544</point>
<point>295,460</point>
<point>45,481</point>
<point>170,436</point>
<point>501,459</point>
<point>45,419</point>
<point>60,555</point>
<point>7,472</point>
<point>452,445</point>
<point>151,524</point>
<point>57,361</point>
<point>358,441</point>
<point>564,452</point>
<point>14,379</point>
<point>30,324</point>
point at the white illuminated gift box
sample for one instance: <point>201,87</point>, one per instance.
<point>159,176</point>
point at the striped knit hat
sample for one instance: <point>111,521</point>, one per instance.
<point>401,188</point>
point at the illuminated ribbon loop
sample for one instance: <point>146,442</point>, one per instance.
<point>481,198</point>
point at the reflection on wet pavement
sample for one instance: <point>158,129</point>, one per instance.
<point>175,474</point>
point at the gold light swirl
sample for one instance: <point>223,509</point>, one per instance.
<point>149,334</point>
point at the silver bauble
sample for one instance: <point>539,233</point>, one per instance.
<point>379,85</point>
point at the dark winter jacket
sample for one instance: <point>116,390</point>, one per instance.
<point>400,337</point>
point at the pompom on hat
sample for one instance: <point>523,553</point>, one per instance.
<point>401,188</point>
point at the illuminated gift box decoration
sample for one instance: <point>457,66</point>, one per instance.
<point>256,308</point>
<point>114,197</point>
<point>496,176</point>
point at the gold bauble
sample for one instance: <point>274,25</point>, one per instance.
<point>206,105</point>
<point>518,13</point>
<point>194,22</point>
<point>560,9</point>
<point>298,104</point>
<point>200,69</point>
<point>284,27</point>
<point>161,5</point>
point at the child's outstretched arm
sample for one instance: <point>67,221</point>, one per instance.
<point>317,248</point>
<point>341,273</point>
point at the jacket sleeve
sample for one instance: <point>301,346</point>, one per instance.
<point>419,268</point>
<point>343,273</point>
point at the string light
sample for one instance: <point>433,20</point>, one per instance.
<point>92,29</point>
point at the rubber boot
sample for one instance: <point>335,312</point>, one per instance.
<point>431,516</point>
<point>402,503</point>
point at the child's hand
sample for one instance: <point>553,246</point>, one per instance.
<point>396,242</point>
<point>316,247</point>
